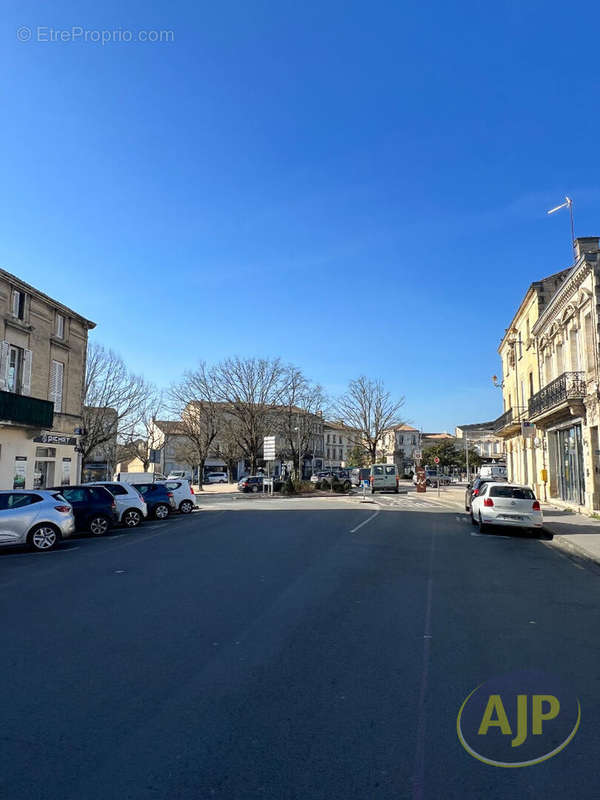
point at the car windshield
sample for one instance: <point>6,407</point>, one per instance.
<point>514,492</point>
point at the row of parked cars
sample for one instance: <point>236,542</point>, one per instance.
<point>40,518</point>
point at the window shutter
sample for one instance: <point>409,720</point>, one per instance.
<point>26,387</point>
<point>4,349</point>
<point>56,385</point>
<point>15,303</point>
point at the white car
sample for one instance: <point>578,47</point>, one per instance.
<point>131,506</point>
<point>506,504</point>
<point>216,477</point>
<point>183,494</point>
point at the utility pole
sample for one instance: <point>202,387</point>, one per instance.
<point>467,454</point>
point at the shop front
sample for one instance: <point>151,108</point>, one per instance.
<point>567,474</point>
<point>46,460</point>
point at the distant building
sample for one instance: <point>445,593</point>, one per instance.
<point>400,443</point>
<point>43,350</point>
<point>481,437</point>
<point>338,442</point>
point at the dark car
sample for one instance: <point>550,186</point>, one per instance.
<point>94,507</point>
<point>251,483</point>
<point>474,488</point>
<point>159,499</point>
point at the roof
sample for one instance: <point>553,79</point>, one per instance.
<point>402,427</point>
<point>477,426</point>
<point>340,426</point>
<point>32,290</point>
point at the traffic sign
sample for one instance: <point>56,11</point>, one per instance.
<point>436,460</point>
<point>269,448</point>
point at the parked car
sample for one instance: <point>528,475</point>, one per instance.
<point>333,479</point>
<point>432,477</point>
<point>131,506</point>
<point>94,507</point>
<point>251,483</point>
<point>133,478</point>
<point>360,474</point>
<point>183,495</point>
<point>39,518</point>
<point>507,504</point>
<point>159,499</point>
<point>474,488</point>
<point>383,476</point>
<point>216,477</point>
<point>179,474</point>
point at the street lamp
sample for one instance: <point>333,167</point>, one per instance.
<point>299,470</point>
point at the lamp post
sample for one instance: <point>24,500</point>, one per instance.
<point>299,468</point>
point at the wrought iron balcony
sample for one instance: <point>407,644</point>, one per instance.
<point>23,410</point>
<point>568,386</point>
<point>503,420</point>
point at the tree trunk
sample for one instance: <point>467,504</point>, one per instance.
<point>201,474</point>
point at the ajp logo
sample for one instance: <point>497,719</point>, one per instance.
<point>518,719</point>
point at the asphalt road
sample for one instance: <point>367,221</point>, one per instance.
<point>285,650</point>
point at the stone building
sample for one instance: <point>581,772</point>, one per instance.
<point>42,366</point>
<point>565,408</point>
<point>399,445</point>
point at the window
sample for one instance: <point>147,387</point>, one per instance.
<point>74,495</point>
<point>401,440</point>
<point>327,438</point>
<point>513,492</point>
<point>390,470</point>
<point>414,439</point>
<point>339,439</point>
<point>56,385</point>
<point>328,451</point>
<point>589,342</point>
<point>378,470</point>
<point>18,304</point>
<point>114,488</point>
<point>45,452</point>
<point>531,384</point>
<point>99,494</point>
<point>59,326</point>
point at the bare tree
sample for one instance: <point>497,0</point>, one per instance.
<point>250,388</point>
<point>195,400</point>
<point>113,401</point>
<point>370,409</point>
<point>300,416</point>
<point>227,445</point>
<point>145,437</point>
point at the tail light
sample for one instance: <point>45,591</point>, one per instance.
<point>244,485</point>
<point>191,490</point>
<point>141,496</point>
<point>63,509</point>
<point>488,502</point>
<point>114,506</point>
<point>536,505</point>
<point>170,495</point>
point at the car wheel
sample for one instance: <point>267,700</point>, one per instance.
<point>396,490</point>
<point>99,525</point>
<point>222,481</point>
<point>161,511</point>
<point>186,507</point>
<point>43,537</point>
<point>482,526</point>
<point>255,488</point>
<point>347,486</point>
<point>131,518</point>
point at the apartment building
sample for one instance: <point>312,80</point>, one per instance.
<point>42,366</point>
<point>565,405</point>
<point>521,380</point>
<point>480,436</point>
<point>338,441</point>
<point>399,445</point>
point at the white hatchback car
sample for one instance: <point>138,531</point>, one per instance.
<point>506,504</point>
<point>183,494</point>
<point>131,506</point>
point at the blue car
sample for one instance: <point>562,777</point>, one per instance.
<point>94,507</point>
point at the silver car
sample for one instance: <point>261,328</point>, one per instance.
<point>37,518</point>
<point>131,506</point>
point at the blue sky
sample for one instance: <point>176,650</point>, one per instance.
<point>358,188</point>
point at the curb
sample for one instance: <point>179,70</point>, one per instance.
<point>572,550</point>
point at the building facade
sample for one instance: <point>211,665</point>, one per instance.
<point>481,437</point>
<point>338,442</point>
<point>42,368</point>
<point>518,352</point>
<point>565,409</point>
<point>399,445</point>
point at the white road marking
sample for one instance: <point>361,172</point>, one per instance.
<point>364,522</point>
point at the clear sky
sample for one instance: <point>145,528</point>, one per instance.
<point>356,187</point>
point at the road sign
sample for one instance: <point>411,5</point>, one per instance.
<point>418,454</point>
<point>269,448</point>
<point>436,460</point>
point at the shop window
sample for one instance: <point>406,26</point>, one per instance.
<point>45,452</point>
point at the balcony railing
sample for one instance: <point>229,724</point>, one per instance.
<point>503,420</point>
<point>568,386</point>
<point>23,410</point>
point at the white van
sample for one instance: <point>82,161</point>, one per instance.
<point>384,476</point>
<point>139,477</point>
<point>495,471</point>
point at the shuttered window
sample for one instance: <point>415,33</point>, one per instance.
<point>56,385</point>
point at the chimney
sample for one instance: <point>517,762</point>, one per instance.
<point>586,244</point>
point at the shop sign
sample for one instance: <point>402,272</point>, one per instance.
<point>51,438</point>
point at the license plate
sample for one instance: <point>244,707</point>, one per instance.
<point>511,516</point>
